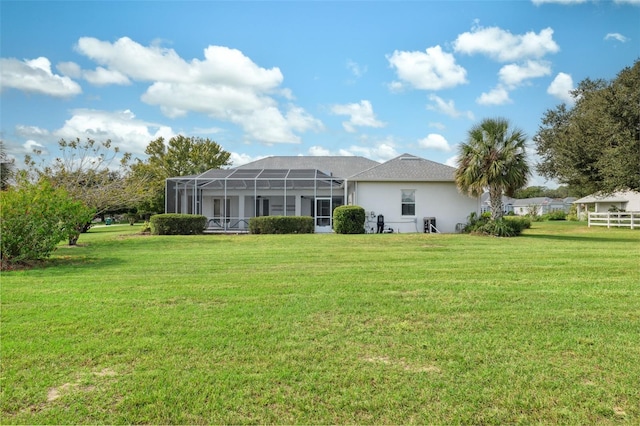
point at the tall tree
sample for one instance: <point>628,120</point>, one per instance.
<point>94,173</point>
<point>6,168</point>
<point>493,158</point>
<point>595,145</point>
<point>180,156</point>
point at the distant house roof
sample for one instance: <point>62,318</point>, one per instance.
<point>337,166</point>
<point>536,201</point>
<point>616,197</point>
<point>485,199</point>
<point>406,168</point>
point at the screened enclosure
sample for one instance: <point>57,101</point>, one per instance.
<point>230,197</point>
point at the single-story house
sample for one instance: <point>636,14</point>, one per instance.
<point>485,203</point>
<point>541,205</point>
<point>602,203</point>
<point>406,192</point>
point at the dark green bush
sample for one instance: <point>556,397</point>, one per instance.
<point>349,220</point>
<point>501,228</point>
<point>177,224</point>
<point>281,225</point>
<point>511,226</point>
<point>521,222</point>
<point>555,215</point>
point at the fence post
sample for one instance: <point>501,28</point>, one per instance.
<point>632,220</point>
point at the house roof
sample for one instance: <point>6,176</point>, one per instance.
<point>536,201</point>
<point>337,166</point>
<point>616,197</point>
<point>485,199</point>
<point>407,168</point>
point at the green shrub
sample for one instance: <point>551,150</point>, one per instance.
<point>555,215</point>
<point>177,224</point>
<point>501,228</point>
<point>281,225</point>
<point>349,220</point>
<point>34,218</point>
<point>510,226</point>
<point>521,222</point>
<point>573,213</point>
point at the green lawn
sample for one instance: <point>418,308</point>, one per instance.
<point>319,329</point>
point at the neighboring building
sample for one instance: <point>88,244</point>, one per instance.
<point>404,190</point>
<point>601,203</point>
<point>485,204</point>
<point>541,205</point>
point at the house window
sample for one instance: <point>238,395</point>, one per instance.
<point>408,202</point>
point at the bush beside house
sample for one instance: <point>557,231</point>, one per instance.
<point>349,220</point>
<point>177,224</point>
<point>281,225</point>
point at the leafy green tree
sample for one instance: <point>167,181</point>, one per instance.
<point>94,173</point>
<point>595,145</point>
<point>34,218</point>
<point>179,156</point>
<point>6,168</point>
<point>493,158</point>
<point>543,191</point>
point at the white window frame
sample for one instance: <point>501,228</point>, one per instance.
<point>407,198</point>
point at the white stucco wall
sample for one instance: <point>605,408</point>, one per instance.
<point>433,199</point>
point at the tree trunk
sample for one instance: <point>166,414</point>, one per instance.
<point>495,199</point>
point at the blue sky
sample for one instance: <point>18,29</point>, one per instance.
<point>376,79</point>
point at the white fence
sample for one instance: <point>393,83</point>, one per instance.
<point>617,219</point>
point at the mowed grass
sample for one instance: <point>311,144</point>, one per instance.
<point>327,329</point>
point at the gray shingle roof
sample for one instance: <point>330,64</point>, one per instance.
<point>407,168</point>
<point>338,166</point>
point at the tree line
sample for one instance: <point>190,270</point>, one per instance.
<point>593,145</point>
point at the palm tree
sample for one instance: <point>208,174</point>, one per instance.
<point>493,158</point>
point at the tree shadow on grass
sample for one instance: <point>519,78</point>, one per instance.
<point>622,239</point>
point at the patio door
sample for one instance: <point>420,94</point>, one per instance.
<point>323,215</point>
<point>221,210</point>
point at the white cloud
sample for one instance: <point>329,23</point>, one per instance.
<point>238,159</point>
<point>513,75</point>
<point>382,150</point>
<point>447,108</point>
<point>497,96</point>
<point>318,151</point>
<point>360,115</point>
<point>226,85</point>
<point>70,69</point>
<point>503,46</point>
<point>561,88</point>
<point>631,2</point>
<point>102,76</point>
<point>35,76</point>
<point>356,69</point>
<point>31,132</point>
<point>429,70</point>
<point>32,146</point>
<point>616,36</point>
<point>435,141</point>
<point>122,127</point>
<point>437,125</point>
<point>452,161</point>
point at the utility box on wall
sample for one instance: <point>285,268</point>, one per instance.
<point>429,225</point>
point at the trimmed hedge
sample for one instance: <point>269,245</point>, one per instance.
<point>281,225</point>
<point>177,224</point>
<point>349,220</point>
